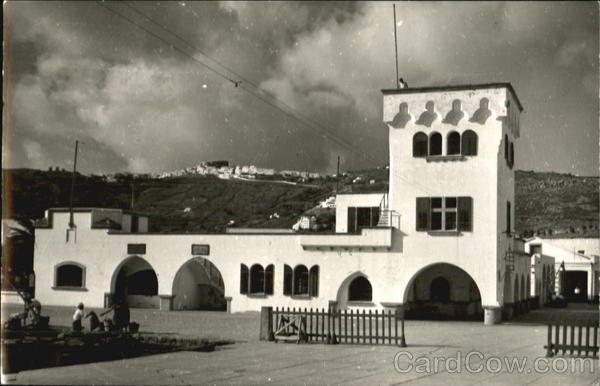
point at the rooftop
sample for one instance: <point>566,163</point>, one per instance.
<point>462,87</point>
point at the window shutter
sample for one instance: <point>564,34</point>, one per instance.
<point>269,274</point>
<point>465,214</point>
<point>287,280</point>
<point>314,281</point>
<point>423,213</point>
<point>351,220</point>
<point>243,279</point>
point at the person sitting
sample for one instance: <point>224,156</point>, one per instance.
<point>77,317</point>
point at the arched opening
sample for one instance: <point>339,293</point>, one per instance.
<point>443,291</point>
<point>135,281</point>
<point>469,143</point>
<point>360,290</point>
<point>420,145</point>
<point>453,143</point>
<point>435,144</point>
<point>198,285</point>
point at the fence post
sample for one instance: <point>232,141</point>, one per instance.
<point>549,346</point>
<point>400,315</point>
<point>266,323</point>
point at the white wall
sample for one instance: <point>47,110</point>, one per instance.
<point>480,251</point>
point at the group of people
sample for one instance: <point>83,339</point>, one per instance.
<point>119,322</point>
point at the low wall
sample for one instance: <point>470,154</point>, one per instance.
<point>143,301</point>
<point>11,297</point>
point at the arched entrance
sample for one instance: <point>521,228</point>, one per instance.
<point>198,285</point>
<point>135,281</point>
<point>355,291</point>
<point>443,291</point>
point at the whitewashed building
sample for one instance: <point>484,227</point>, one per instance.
<point>441,240</point>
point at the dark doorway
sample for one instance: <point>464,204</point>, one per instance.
<point>575,286</point>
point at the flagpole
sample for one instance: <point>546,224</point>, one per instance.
<point>71,220</point>
<point>396,48</point>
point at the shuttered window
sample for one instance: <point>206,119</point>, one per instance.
<point>288,277</point>
<point>244,279</point>
<point>444,214</point>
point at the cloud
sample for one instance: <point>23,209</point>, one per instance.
<point>81,72</point>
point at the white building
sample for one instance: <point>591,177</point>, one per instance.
<point>440,241</point>
<point>581,265</point>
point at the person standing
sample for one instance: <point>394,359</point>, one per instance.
<point>77,317</point>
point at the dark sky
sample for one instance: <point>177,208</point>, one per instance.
<point>80,71</point>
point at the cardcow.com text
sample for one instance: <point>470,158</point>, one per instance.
<point>476,362</point>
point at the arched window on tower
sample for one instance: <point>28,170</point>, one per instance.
<point>440,290</point>
<point>360,290</point>
<point>435,144</point>
<point>469,143</point>
<point>420,145</point>
<point>453,144</point>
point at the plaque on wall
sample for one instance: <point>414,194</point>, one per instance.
<point>136,249</point>
<point>200,249</point>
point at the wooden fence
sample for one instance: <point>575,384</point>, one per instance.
<point>572,338</point>
<point>334,326</point>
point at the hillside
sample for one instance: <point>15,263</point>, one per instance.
<point>550,204</point>
<point>553,204</point>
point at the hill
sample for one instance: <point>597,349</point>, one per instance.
<point>549,204</point>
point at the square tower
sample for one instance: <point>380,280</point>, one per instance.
<point>452,177</point>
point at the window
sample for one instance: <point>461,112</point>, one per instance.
<point>581,251</point>
<point>134,224</point>
<point>440,290</point>
<point>301,281</point>
<point>269,277</point>
<point>506,147</point>
<point>244,279</point>
<point>444,214</point>
<point>360,290</point>
<point>420,145</point>
<point>435,144</point>
<point>69,275</point>
<point>512,154</point>
<point>508,227</point>
<point>534,249</point>
<point>362,217</point>
<point>257,280</point>
<point>469,143</point>
<point>453,144</point>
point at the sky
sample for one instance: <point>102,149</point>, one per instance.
<point>162,95</point>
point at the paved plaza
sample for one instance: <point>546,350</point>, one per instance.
<point>438,353</point>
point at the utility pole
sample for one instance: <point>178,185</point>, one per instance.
<point>396,49</point>
<point>71,220</point>
<point>337,176</point>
